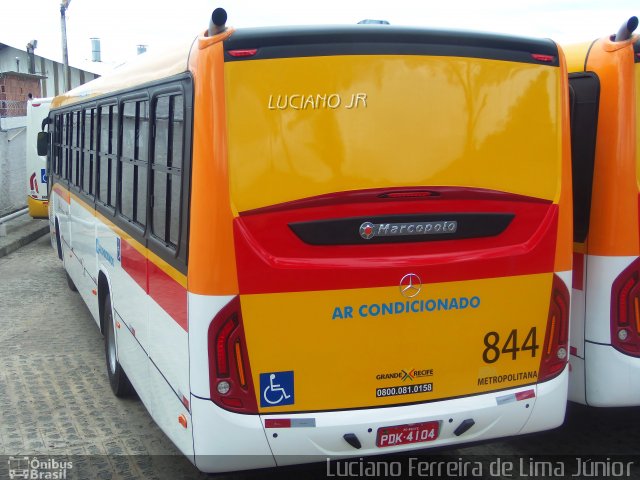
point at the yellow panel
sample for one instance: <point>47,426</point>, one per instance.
<point>576,55</point>
<point>300,127</point>
<point>342,362</point>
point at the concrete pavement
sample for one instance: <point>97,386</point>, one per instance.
<point>21,231</point>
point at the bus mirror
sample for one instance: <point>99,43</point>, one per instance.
<point>43,143</point>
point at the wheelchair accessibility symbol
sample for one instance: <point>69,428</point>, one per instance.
<point>276,389</point>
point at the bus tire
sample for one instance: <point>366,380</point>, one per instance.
<point>120,384</point>
<point>72,286</point>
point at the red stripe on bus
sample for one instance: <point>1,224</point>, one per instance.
<point>164,290</point>
<point>262,268</point>
<point>135,264</point>
<point>578,271</point>
<point>169,294</point>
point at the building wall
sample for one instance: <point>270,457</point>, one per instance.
<point>14,91</point>
<point>53,84</point>
<point>8,62</point>
<point>13,170</point>
<point>15,88</point>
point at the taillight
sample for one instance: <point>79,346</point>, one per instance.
<point>410,194</point>
<point>555,352</point>
<point>221,346</point>
<point>625,310</point>
<point>542,57</point>
<point>247,52</point>
<point>229,373</point>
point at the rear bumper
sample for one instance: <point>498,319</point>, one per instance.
<point>225,441</point>
<point>612,379</point>
<point>38,208</point>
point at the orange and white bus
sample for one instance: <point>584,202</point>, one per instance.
<point>605,320</point>
<point>313,242</point>
<point>36,165</point>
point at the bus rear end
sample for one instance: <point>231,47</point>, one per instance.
<point>400,230</point>
<point>36,166</point>
<point>605,321</point>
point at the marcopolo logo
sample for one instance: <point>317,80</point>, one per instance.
<point>369,230</point>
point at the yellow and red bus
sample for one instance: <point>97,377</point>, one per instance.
<point>36,165</point>
<point>312,242</point>
<point>605,320</point>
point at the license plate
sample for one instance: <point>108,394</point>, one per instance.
<point>406,434</point>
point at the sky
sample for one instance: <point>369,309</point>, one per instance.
<point>123,24</point>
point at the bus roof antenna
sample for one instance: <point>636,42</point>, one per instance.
<point>626,30</point>
<point>218,21</point>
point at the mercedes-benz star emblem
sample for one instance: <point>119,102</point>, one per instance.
<point>410,285</point>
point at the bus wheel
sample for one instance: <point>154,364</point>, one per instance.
<point>117,378</point>
<point>72,286</point>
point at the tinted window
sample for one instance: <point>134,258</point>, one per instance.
<point>133,162</point>
<point>584,89</point>
<point>108,149</point>
<point>167,168</point>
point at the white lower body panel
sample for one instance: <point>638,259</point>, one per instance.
<point>226,441</point>
<point>577,380</point>
<point>612,378</point>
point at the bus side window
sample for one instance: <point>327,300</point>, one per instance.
<point>103,161</point>
<point>133,162</point>
<point>77,132</point>
<point>57,149</point>
<point>66,146</point>
<point>585,94</point>
<point>107,152</point>
<point>88,148</point>
<point>167,168</point>
<point>177,135</point>
<point>142,158</point>
<point>94,149</point>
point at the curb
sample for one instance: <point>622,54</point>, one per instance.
<point>22,241</point>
